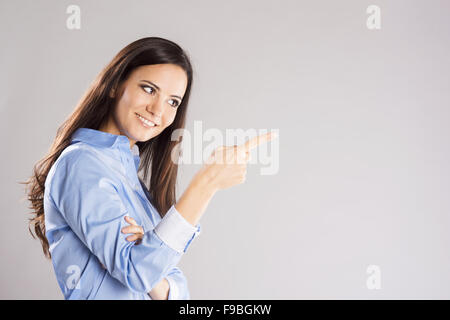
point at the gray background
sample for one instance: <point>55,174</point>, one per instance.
<point>364,138</point>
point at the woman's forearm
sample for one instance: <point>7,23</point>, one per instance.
<point>192,204</point>
<point>160,291</point>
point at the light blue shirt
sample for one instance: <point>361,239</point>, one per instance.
<point>89,190</point>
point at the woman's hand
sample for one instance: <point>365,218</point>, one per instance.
<point>161,290</point>
<point>227,165</point>
<point>136,230</point>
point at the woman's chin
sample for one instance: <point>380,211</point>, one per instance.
<point>143,133</point>
<point>142,137</point>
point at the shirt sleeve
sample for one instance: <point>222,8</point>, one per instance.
<point>86,193</point>
<point>178,288</point>
<point>176,231</point>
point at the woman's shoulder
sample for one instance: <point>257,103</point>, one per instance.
<point>76,161</point>
<point>78,154</point>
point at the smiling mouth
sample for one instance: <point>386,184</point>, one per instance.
<point>146,122</point>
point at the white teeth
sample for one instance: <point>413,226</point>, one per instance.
<point>149,123</point>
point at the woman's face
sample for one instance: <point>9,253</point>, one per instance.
<point>150,95</point>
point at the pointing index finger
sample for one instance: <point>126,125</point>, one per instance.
<point>256,141</point>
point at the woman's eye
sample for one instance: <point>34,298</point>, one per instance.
<point>175,103</point>
<point>148,91</point>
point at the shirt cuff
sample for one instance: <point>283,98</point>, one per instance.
<point>175,231</point>
<point>173,289</point>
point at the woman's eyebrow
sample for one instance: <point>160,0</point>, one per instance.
<point>160,89</point>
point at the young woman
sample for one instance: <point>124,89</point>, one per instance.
<point>87,197</point>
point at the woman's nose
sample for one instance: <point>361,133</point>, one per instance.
<point>156,109</point>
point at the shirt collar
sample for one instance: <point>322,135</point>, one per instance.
<point>135,150</point>
<point>100,138</point>
<point>105,139</point>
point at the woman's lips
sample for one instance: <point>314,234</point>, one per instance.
<point>145,122</point>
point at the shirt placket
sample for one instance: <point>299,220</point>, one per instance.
<point>128,161</point>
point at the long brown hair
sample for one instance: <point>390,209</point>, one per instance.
<point>96,106</point>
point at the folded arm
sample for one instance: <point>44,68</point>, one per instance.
<point>174,285</point>
<point>85,192</point>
